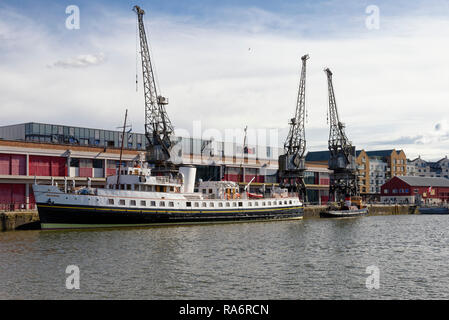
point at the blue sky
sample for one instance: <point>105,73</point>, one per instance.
<point>230,64</point>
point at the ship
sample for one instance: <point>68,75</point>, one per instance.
<point>351,207</point>
<point>134,197</point>
<point>433,210</point>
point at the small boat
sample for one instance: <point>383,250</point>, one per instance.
<point>433,210</point>
<point>352,207</point>
<point>343,213</point>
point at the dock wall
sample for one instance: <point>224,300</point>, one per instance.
<point>18,219</point>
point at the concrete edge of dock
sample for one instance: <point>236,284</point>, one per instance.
<point>29,219</point>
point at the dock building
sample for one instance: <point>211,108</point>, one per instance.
<point>45,152</point>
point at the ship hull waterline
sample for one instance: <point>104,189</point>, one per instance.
<point>54,216</point>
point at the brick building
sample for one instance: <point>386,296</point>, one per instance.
<point>407,189</point>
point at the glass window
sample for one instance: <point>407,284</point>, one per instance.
<point>132,202</point>
<point>110,201</point>
<point>212,205</point>
<point>74,162</point>
<point>121,202</point>
<point>188,204</point>
<point>162,204</point>
<point>98,163</point>
<point>143,203</point>
<point>153,203</point>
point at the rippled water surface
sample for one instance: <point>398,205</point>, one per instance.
<point>309,259</point>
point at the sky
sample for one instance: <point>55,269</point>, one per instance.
<point>225,65</point>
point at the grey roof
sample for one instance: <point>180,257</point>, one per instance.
<point>318,156</point>
<point>380,153</point>
<point>425,181</point>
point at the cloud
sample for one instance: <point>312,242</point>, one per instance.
<point>80,61</point>
<point>390,84</point>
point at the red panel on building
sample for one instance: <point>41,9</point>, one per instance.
<point>12,164</point>
<point>12,196</point>
<point>32,200</point>
<point>5,195</point>
<point>18,196</point>
<point>248,177</point>
<point>58,167</point>
<point>48,166</point>
<point>324,199</point>
<point>232,177</point>
<point>85,172</point>
<point>110,172</point>
<point>18,164</point>
<point>4,163</point>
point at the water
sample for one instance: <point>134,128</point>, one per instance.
<point>309,259</point>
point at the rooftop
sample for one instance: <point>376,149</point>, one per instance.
<point>424,181</point>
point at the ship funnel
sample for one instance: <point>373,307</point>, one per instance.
<point>189,174</point>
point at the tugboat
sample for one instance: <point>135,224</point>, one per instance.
<point>433,210</point>
<point>351,207</point>
<point>134,197</point>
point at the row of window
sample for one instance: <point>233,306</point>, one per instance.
<point>189,204</point>
<point>397,190</point>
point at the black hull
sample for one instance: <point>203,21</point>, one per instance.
<point>343,213</point>
<point>54,216</point>
<point>435,210</point>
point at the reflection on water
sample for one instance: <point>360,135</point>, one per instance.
<point>310,259</point>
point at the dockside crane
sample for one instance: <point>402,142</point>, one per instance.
<point>158,128</point>
<point>292,162</point>
<point>343,180</point>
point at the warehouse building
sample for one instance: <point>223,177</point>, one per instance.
<point>409,190</point>
<point>46,152</point>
